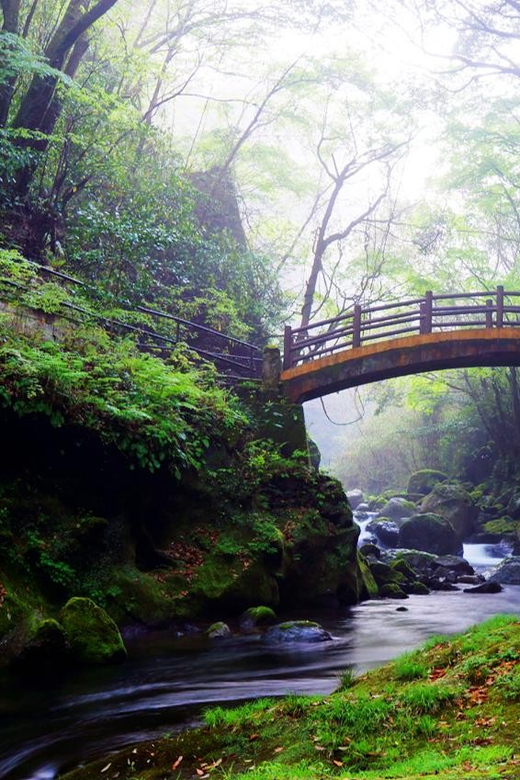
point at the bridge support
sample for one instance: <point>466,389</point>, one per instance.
<point>271,370</point>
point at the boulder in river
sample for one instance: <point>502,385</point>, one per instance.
<point>454,504</point>
<point>386,531</point>
<point>298,631</point>
<point>93,636</point>
<point>218,630</point>
<point>369,549</point>
<point>485,587</point>
<point>424,481</point>
<point>431,533</point>
<point>355,497</point>
<point>257,616</point>
<point>454,563</point>
<point>507,572</point>
<point>392,591</point>
<point>397,508</point>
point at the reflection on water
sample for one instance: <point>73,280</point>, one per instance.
<point>168,680</point>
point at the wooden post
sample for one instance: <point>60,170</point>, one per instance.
<point>426,313</point>
<point>287,346</point>
<point>500,306</point>
<point>356,326</point>
<point>489,313</point>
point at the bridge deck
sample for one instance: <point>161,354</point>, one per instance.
<point>402,356</point>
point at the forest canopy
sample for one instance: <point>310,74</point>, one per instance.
<point>246,164</point>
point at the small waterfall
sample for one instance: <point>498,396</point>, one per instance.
<point>486,556</point>
<point>362,519</point>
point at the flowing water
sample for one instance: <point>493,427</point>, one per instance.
<point>48,726</point>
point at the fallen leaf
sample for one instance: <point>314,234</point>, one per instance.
<point>106,768</point>
<point>177,763</point>
<point>253,737</point>
<point>338,763</point>
<point>279,749</point>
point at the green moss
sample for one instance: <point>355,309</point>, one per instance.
<point>93,636</point>
<point>419,589</point>
<point>404,568</point>
<point>502,525</point>
<point>298,624</point>
<point>259,616</point>
<point>424,481</point>
<point>369,588</point>
<point>391,590</point>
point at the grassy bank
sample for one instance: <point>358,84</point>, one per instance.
<point>448,710</point>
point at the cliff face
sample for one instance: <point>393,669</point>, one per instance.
<point>78,519</point>
<point>217,205</point>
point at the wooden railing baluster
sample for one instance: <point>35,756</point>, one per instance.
<point>356,326</point>
<point>500,306</point>
<point>489,313</point>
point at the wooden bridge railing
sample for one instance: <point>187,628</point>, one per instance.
<point>433,312</point>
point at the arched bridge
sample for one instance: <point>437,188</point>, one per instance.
<point>421,334</point>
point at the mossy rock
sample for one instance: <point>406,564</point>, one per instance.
<point>231,584</point>
<point>453,503</point>
<point>392,591</point>
<point>502,525</point>
<point>139,596</point>
<point>431,533</point>
<point>401,566</point>
<point>370,589</point>
<point>419,589</point>
<point>46,646</point>
<point>298,631</point>
<point>93,636</point>
<point>423,481</point>
<point>397,508</point>
<point>384,574</point>
<point>258,616</point>
<point>218,630</point>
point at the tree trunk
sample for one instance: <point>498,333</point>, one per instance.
<point>11,14</point>
<point>41,107</point>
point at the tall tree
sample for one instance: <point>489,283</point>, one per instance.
<point>41,105</point>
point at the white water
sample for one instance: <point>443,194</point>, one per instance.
<point>485,556</point>
<point>481,556</point>
<point>362,519</point>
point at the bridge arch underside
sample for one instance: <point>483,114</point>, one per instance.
<point>401,357</point>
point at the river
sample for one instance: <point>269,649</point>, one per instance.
<point>47,726</point>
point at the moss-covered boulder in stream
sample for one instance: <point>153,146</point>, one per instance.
<point>453,503</point>
<point>422,482</point>
<point>93,636</point>
<point>257,616</point>
<point>431,533</point>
